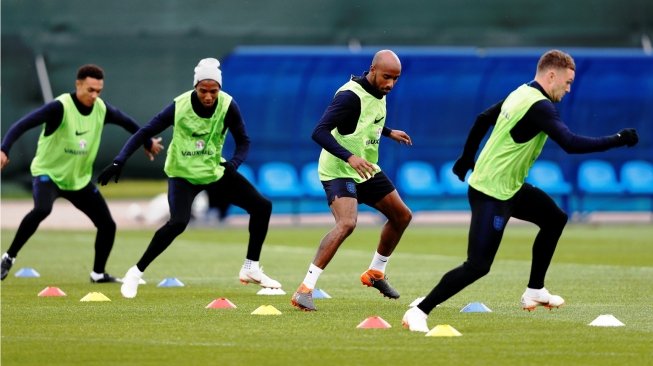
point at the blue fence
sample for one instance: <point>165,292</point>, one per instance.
<point>283,91</point>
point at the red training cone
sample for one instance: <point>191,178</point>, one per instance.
<point>374,322</point>
<point>221,303</point>
<point>51,291</point>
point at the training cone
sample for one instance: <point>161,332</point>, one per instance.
<point>606,320</point>
<point>374,322</point>
<point>27,272</point>
<point>51,292</point>
<point>475,307</point>
<point>266,310</point>
<point>416,302</point>
<point>170,282</point>
<point>221,303</point>
<point>95,296</point>
<point>320,294</point>
<point>271,291</point>
<point>443,330</point>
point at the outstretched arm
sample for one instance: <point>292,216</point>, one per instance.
<point>157,125</point>
<point>49,114</point>
<point>546,117</point>
<point>152,146</point>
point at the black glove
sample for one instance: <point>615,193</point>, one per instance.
<point>229,167</point>
<point>462,166</point>
<point>628,137</point>
<point>109,172</point>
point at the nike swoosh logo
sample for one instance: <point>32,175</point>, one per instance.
<point>195,134</point>
<point>379,120</point>
<point>78,133</point>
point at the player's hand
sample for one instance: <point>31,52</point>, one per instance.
<point>363,167</point>
<point>401,137</point>
<point>628,137</point>
<point>462,166</point>
<point>4,160</point>
<point>111,171</point>
<point>155,149</point>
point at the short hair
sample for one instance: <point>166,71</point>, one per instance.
<point>90,71</point>
<point>555,59</point>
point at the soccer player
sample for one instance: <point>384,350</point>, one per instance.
<point>201,118</point>
<point>522,123</point>
<point>349,133</point>
<point>63,164</point>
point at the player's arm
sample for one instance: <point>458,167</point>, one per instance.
<point>545,116</point>
<point>49,114</point>
<point>481,126</point>
<point>152,145</point>
<point>158,124</point>
<point>234,122</point>
<point>342,113</point>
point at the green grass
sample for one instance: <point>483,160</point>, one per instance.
<point>126,189</point>
<point>599,270</point>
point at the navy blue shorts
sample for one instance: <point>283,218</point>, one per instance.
<point>369,192</point>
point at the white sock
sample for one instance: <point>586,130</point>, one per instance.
<point>134,271</point>
<point>250,264</point>
<point>419,312</point>
<point>379,262</point>
<point>312,275</point>
<point>532,292</point>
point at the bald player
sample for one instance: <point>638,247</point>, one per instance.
<point>349,133</point>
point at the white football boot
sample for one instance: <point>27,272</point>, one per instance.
<point>415,320</point>
<point>533,298</point>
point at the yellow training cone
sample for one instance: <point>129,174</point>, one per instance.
<point>95,296</point>
<point>266,310</point>
<point>445,330</point>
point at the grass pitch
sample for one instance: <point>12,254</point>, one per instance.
<point>598,270</point>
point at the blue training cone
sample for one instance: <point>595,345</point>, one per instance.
<point>475,307</point>
<point>320,294</point>
<point>170,282</point>
<point>27,272</point>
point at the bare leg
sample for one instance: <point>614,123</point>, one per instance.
<point>345,211</point>
<point>399,216</point>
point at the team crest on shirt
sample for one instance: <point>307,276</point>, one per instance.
<point>199,144</point>
<point>351,187</point>
<point>378,133</point>
<point>82,144</point>
<point>498,223</point>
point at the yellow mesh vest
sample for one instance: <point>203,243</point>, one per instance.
<point>363,142</point>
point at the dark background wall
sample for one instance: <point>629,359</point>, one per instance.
<point>149,48</point>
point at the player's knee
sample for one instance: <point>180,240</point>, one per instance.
<point>555,221</point>
<point>346,226</point>
<point>478,269</point>
<point>107,226</point>
<point>178,225</point>
<point>561,219</point>
<point>265,207</point>
<point>262,207</point>
<point>405,217</point>
<point>400,217</point>
<point>40,213</point>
